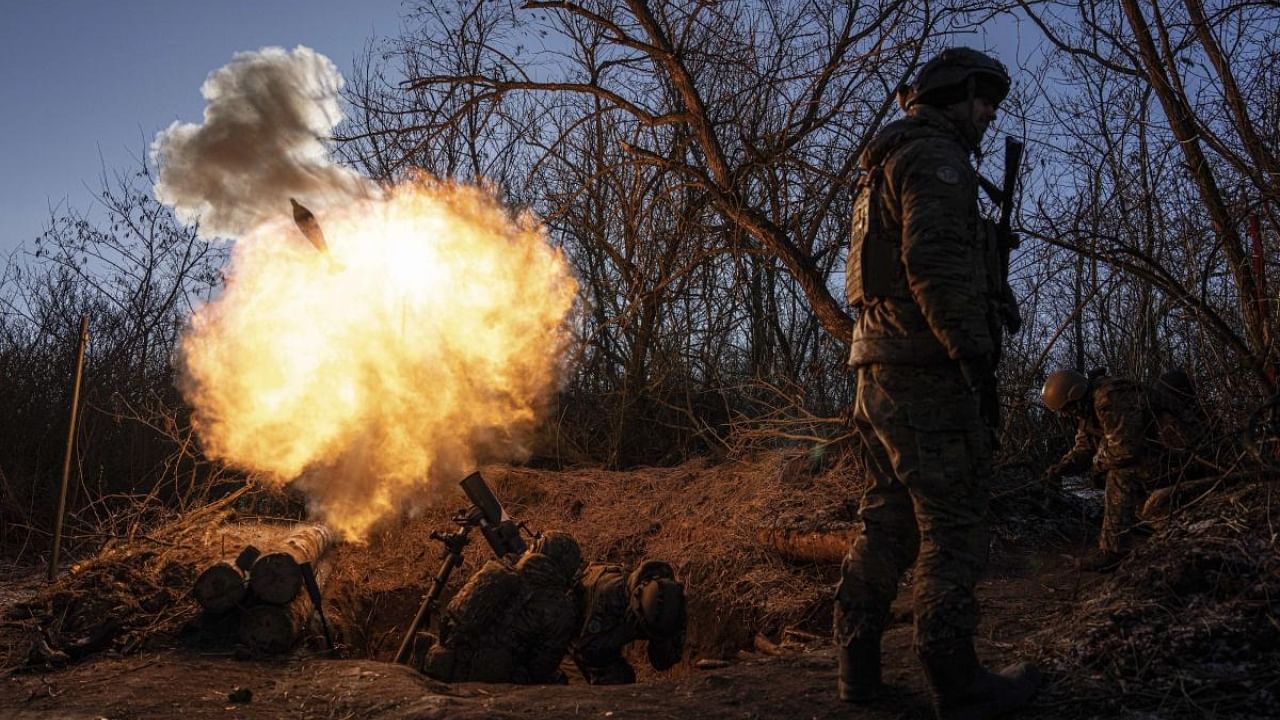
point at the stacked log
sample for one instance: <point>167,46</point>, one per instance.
<point>267,589</point>
<point>222,586</point>
<point>274,629</point>
<point>826,545</point>
<point>276,576</point>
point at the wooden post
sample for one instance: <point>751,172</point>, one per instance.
<point>71,439</point>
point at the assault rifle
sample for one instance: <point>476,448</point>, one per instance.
<point>1006,242</point>
<point>499,530</point>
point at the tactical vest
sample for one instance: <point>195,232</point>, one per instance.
<point>874,268</point>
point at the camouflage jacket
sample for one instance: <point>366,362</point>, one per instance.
<point>1128,424</point>
<point>926,277</point>
<point>607,626</point>
<point>507,624</point>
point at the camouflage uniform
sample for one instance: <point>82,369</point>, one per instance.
<point>512,623</point>
<point>614,615</point>
<point>927,283</point>
<point>1125,431</point>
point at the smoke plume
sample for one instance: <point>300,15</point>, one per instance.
<point>261,143</point>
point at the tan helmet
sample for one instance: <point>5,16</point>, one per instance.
<point>1063,388</point>
<point>946,78</point>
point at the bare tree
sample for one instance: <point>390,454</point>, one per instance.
<point>1174,103</point>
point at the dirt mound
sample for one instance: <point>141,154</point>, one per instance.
<point>1188,625</point>
<point>712,522</point>
<point>756,542</point>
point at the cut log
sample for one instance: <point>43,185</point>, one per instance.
<point>275,629</point>
<point>220,587</point>
<point>276,576</point>
<point>817,546</point>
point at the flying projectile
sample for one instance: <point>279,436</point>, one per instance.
<point>309,226</point>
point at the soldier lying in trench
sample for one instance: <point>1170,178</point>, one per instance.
<point>516,623</point>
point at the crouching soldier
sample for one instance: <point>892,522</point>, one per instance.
<point>1123,435</point>
<point>620,608</point>
<point>512,624</point>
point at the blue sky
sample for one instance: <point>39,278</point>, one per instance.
<point>86,84</point>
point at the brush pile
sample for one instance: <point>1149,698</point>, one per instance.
<point>134,594</point>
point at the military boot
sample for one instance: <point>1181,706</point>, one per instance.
<point>964,690</point>
<point>859,670</point>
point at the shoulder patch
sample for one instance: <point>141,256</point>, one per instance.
<point>948,175</point>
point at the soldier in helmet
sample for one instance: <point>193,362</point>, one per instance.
<point>1124,431</point>
<point>619,608</point>
<point>924,274</point>
<point>510,623</point>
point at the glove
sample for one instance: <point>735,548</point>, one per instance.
<point>976,371</point>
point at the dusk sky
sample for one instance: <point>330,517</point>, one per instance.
<point>86,84</point>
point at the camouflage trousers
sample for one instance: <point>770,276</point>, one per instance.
<point>1126,488</point>
<point>927,454</point>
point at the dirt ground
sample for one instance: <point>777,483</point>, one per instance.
<point>793,684</point>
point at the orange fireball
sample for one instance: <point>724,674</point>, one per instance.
<point>426,341</point>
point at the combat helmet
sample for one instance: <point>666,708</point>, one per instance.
<point>953,75</point>
<point>1063,388</point>
<point>658,605</point>
<point>561,548</point>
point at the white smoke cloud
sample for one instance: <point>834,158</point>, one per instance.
<point>262,142</point>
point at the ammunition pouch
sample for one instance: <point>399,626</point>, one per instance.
<point>874,267</point>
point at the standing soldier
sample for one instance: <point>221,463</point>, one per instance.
<point>931,301</point>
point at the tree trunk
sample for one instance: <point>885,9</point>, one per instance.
<point>1182,122</point>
